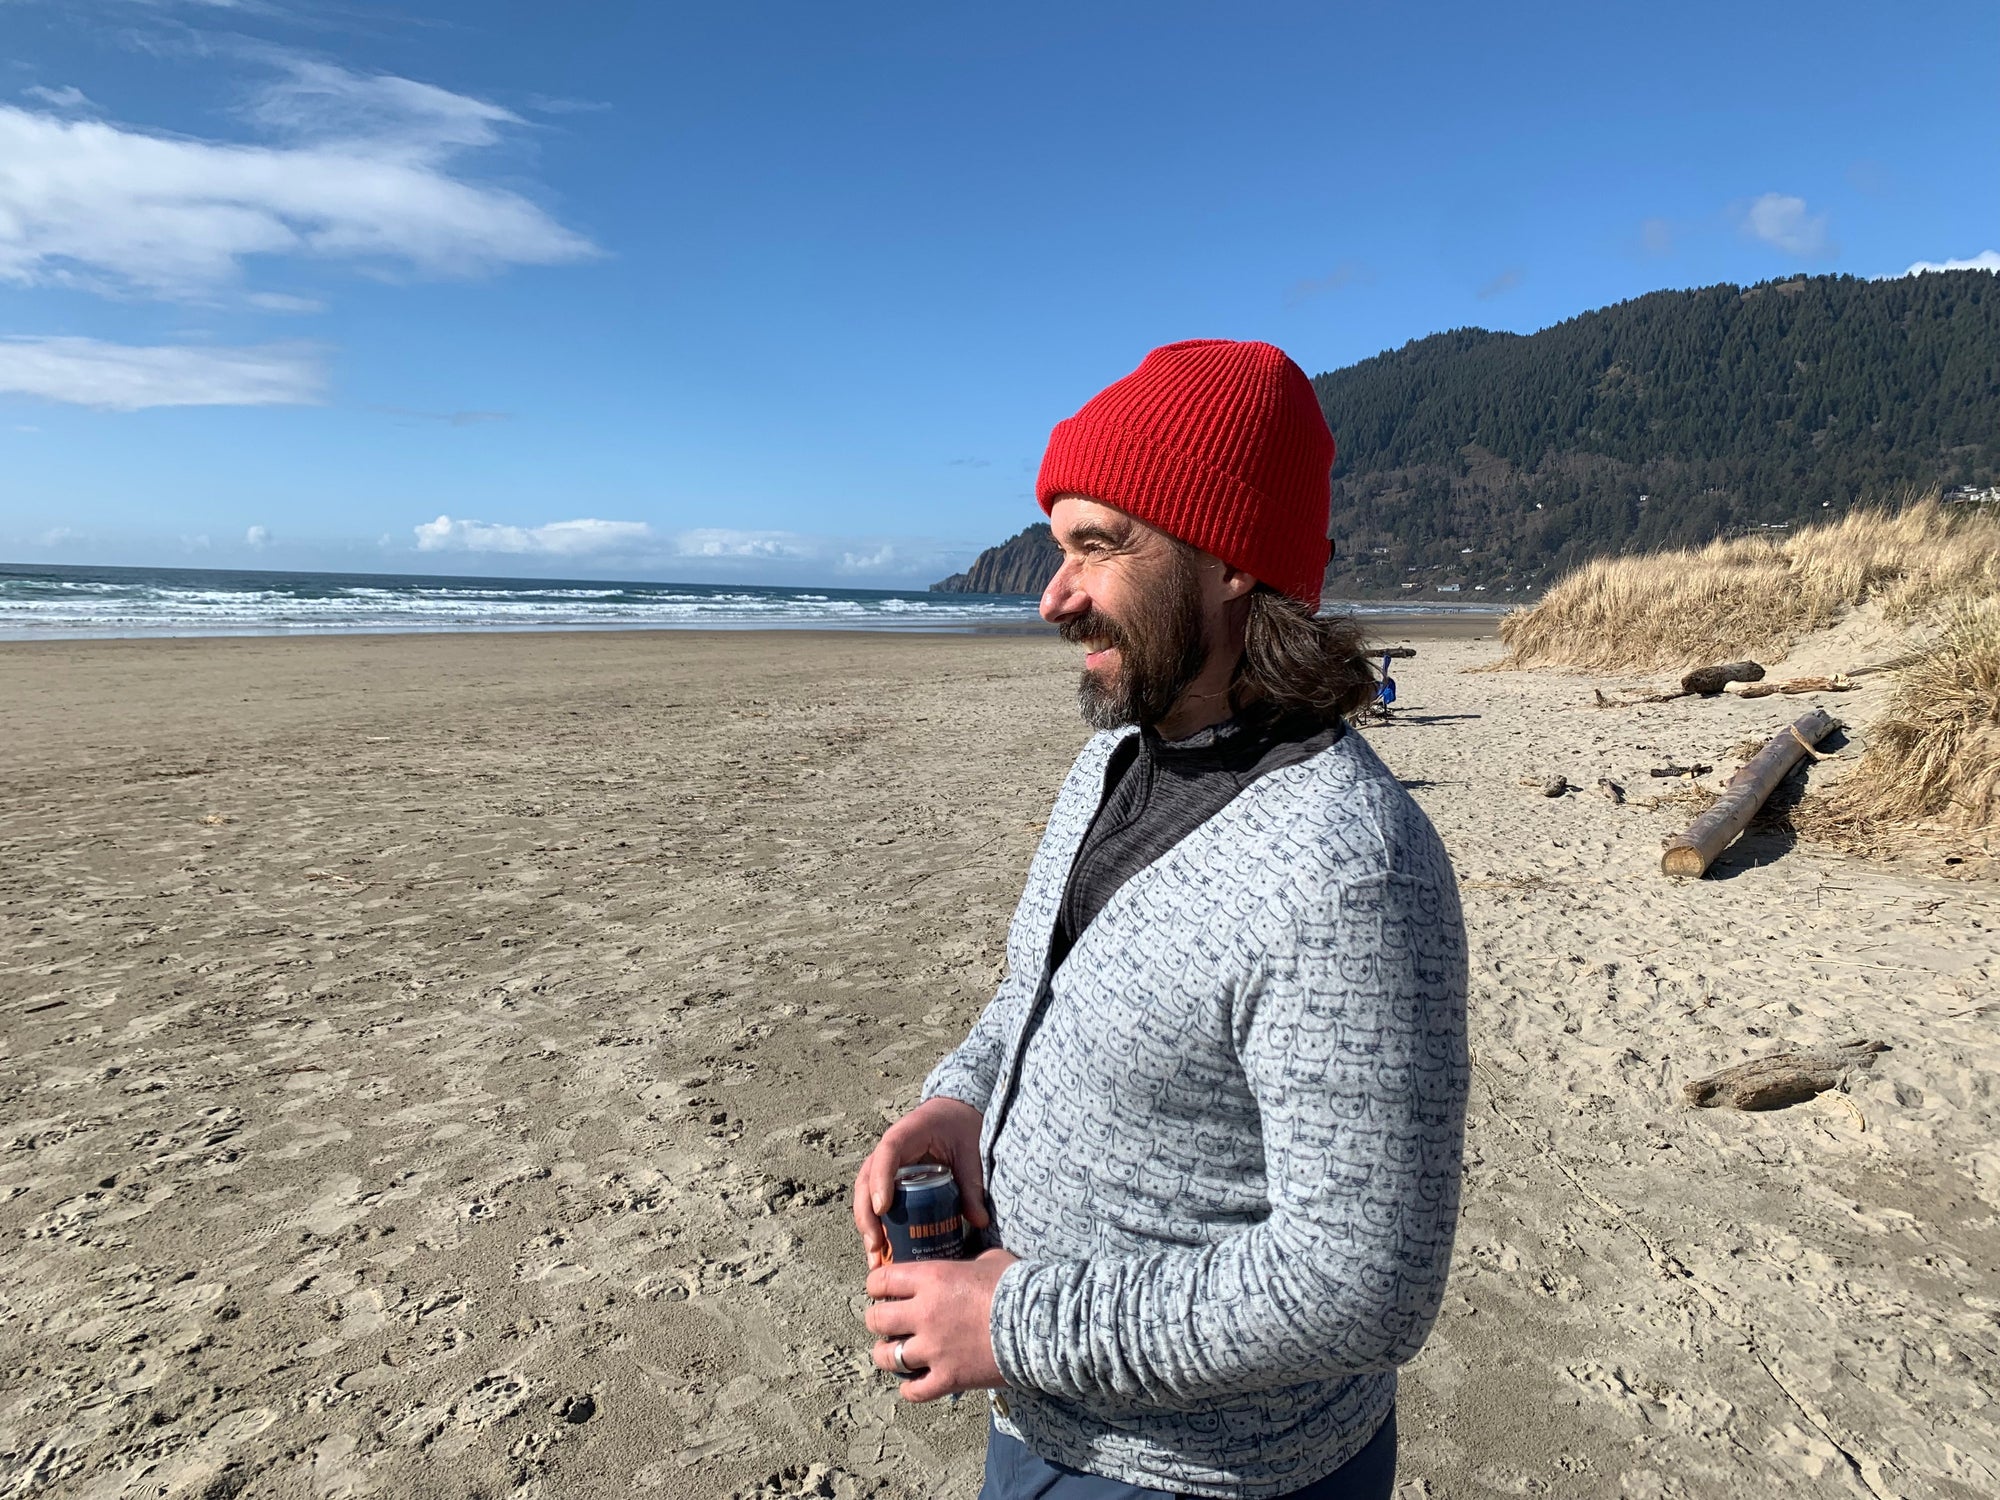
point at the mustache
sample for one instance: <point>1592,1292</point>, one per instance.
<point>1092,627</point>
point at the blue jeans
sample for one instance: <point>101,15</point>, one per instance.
<point>1014,1473</point>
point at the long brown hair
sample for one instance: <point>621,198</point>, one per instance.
<point>1302,663</point>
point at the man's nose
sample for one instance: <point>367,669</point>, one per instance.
<point>1062,599</point>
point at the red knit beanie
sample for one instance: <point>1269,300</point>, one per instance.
<point>1220,444</point>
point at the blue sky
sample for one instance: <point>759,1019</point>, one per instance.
<point>792,292</point>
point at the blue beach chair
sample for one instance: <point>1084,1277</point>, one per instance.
<point>1385,690</point>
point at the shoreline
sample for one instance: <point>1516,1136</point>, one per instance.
<point>1397,626</point>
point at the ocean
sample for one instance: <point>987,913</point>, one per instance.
<point>64,603</point>
<point>47,602</point>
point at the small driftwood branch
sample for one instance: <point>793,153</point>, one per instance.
<point>1690,854</point>
<point>1633,699</point>
<point>1394,653</point>
<point>1839,682</point>
<point>1710,680</point>
<point>1697,769</point>
<point>1782,1079</point>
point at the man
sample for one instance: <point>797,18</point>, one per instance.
<point>1218,1100</point>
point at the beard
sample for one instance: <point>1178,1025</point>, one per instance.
<point>1162,646</point>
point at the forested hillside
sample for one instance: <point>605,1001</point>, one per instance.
<point>1501,460</point>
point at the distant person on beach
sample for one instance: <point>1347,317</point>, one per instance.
<point>1218,1100</point>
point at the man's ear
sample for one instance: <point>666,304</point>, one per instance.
<point>1235,582</point>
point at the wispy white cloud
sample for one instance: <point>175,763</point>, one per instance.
<point>548,104</point>
<point>448,418</point>
<point>257,538</point>
<point>1347,273</point>
<point>582,538</point>
<point>366,172</point>
<point>317,102</point>
<point>128,377</point>
<point>1985,260</point>
<point>1784,223</point>
<point>285,302</point>
<point>66,97</point>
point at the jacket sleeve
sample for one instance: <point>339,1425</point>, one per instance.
<point>1351,1035</point>
<point>971,1070</point>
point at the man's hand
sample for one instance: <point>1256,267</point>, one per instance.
<point>940,1130</point>
<point>942,1311</point>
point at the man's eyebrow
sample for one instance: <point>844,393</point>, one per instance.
<point>1095,531</point>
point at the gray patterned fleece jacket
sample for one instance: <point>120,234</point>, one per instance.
<point>1233,1120</point>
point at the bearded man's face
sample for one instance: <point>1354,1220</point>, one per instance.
<point>1148,638</point>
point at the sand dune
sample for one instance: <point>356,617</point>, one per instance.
<point>434,1066</point>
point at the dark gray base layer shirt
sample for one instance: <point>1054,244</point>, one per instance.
<point>1231,1155</point>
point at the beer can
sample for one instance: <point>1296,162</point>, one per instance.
<point>924,1221</point>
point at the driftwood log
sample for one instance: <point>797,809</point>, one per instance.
<point>1710,680</point>
<point>1690,854</point>
<point>1781,1079</point>
<point>1395,653</point>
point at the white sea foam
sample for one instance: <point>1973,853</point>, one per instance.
<point>73,602</point>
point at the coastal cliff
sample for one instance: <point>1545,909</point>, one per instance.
<point>1023,564</point>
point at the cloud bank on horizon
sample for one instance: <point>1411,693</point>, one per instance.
<point>638,545</point>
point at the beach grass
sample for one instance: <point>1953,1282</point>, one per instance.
<point>1932,762</point>
<point>1931,768</point>
<point>1757,596</point>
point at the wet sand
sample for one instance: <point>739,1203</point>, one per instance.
<point>434,1066</point>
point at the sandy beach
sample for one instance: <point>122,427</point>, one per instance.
<point>434,1066</point>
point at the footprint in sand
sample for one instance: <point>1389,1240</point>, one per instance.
<point>837,1366</point>
<point>808,1482</point>
<point>493,1398</point>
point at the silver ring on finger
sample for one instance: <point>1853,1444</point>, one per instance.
<point>896,1357</point>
